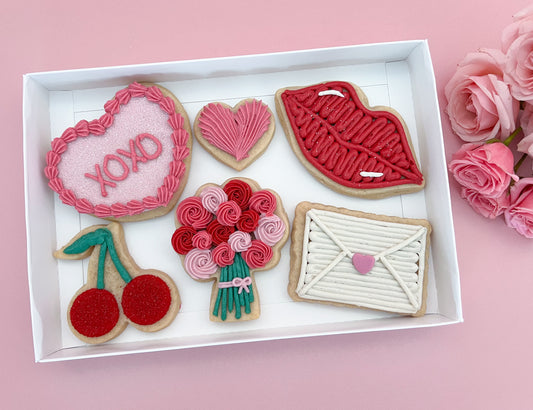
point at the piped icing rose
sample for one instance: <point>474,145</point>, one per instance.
<point>240,241</point>
<point>223,255</point>
<point>270,229</point>
<point>202,240</point>
<point>220,233</point>
<point>191,212</point>
<point>228,213</point>
<point>238,191</point>
<point>212,197</point>
<point>258,254</point>
<point>248,221</point>
<point>263,202</point>
<point>182,239</point>
<point>199,263</point>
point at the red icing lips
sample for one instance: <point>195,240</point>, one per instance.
<point>347,142</point>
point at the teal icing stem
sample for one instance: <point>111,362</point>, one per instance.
<point>101,266</point>
<point>230,290</point>
<point>116,260</point>
<point>83,243</point>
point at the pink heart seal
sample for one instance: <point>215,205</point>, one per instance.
<point>130,161</point>
<point>363,263</point>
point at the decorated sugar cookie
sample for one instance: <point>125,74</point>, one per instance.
<point>235,136</point>
<point>348,146</point>
<point>355,259</point>
<point>131,163</point>
<point>225,234</point>
<point>117,292</point>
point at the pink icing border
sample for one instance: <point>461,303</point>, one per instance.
<point>99,126</point>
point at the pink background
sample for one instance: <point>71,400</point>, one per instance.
<point>483,363</point>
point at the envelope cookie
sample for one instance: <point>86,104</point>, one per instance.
<point>348,146</point>
<point>129,164</point>
<point>350,258</point>
<point>117,292</point>
<point>236,136</point>
<point>226,233</point>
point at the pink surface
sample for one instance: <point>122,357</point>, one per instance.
<point>483,363</point>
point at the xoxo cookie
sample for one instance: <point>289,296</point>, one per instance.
<point>235,136</point>
<point>348,146</point>
<point>224,234</point>
<point>355,259</point>
<point>117,292</point>
<point>131,163</point>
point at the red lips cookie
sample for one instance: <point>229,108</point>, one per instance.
<point>131,163</point>
<point>348,146</point>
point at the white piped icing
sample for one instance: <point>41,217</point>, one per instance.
<point>331,92</point>
<point>394,284</point>
<point>371,174</point>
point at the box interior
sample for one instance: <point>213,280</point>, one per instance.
<point>394,74</point>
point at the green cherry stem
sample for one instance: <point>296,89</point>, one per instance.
<point>101,266</point>
<point>116,260</point>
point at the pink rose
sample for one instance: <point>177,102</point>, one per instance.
<point>519,215</point>
<point>480,105</point>
<point>526,122</point>
<point>517,44</point>
<point>487,207</point>
<point>484,168</point>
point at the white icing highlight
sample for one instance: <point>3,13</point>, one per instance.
<point>371,174</point>
<point>331,92</point>
<point>394,284</point>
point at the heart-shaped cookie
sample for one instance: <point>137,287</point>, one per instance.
<point>131,163</point>
<point>352,148</point>
<point>236,136</point>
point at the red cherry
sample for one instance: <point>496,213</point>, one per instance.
<point>146,299</point>
<point>94,312</point>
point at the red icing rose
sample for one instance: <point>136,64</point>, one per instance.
<point>257,255</point>
<point>182,239</point>
<point>191,212</point>
<point>228,213</point>
<point>219,233</point>
<point>263,202</point>
<point>248,221</point>
<point>223,254</point>
<point>238,191</point>
<point>202,240</point>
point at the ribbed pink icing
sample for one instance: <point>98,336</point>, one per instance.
<point>86,144</point>
<point>235,133</point>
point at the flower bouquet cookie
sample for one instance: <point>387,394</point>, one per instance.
<point>227,233</point>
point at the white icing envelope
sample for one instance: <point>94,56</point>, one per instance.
<point>326,273</point>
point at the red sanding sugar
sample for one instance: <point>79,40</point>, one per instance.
<point>146,299</point>
<point>94,312</point>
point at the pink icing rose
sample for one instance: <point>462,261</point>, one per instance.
<point>270,229</point>
<point>519,215</point>
<point>199,263</point>
<point>202,240</point>
<point>484,168</point>
<point>240,241</point>
<point>487,207</point>
<point>517,44</point>
<point>212,197</point>
<point>526,122</point>
<point>480,105</point>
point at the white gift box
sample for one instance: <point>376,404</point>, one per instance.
<point>397,74</point>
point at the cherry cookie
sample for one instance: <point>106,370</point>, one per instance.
<point>224,234</point>
<point>348,146</point>
<point>131,163</point>
<point>117,291</point>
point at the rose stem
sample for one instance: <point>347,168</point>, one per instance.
<point>223,314</point>
<point>230,290</point>
<point>247,296</point>
<point>236,296</point>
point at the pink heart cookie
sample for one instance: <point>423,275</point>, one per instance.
<point>131,163</point>
<point>235,136</point>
